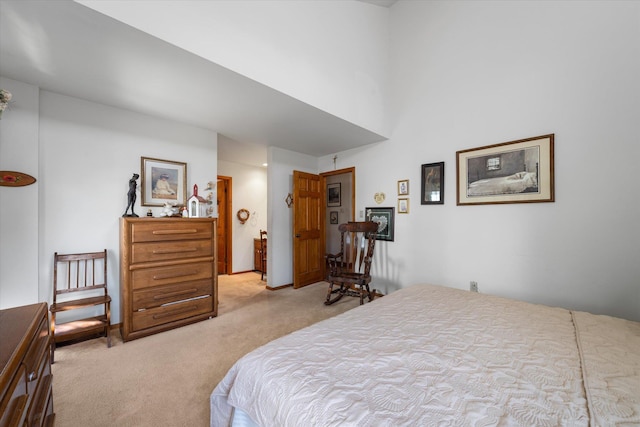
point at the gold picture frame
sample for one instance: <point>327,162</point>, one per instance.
<point>403,205</point>
<point>403,187</point>
<point>163,181</point>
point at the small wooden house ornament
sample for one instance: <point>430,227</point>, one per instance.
<point>197,205</point>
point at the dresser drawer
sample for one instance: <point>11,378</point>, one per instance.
<point>185,229</point>
<point>155,297</point>
<point>161,315</point>
<point>36,358</point>
<point>40,405</point>
<point>14,402</point>
<point>163,251</point>
<point>149,277</point>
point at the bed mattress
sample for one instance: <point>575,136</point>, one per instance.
<point>430,355</point>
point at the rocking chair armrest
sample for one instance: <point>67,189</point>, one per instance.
<point>333,257</point>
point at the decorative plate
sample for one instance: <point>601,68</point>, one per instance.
<point>15,179</point>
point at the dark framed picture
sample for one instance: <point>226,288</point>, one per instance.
<point>432,184</point>
<point>163,181</point>
<point>519,171</point>
<point>334,194</point>
<point>333,217</point>
<point>384,217</point>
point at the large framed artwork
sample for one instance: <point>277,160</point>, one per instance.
<point>384,218</point>
<point>163,181</point>
<point>519,171</point>
<point>432,184</point>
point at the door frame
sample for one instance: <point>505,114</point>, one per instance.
<point>228,244</point>
<point>323,208</point>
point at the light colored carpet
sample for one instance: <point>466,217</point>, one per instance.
<point>166,379</point>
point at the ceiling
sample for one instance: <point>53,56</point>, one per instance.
<point>67,48</point>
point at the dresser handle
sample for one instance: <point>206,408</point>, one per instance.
<point>32,376</point>
<point>164,232</point>
<point>174,294</point>
<point>174,251</point>
<point>171,276</point>
<point>173,312</point>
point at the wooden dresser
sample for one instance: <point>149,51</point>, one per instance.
<point>168,274</point>
<point>26,396</point>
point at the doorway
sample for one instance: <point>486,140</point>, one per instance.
<point>311,220</point>
<point>225,238</point>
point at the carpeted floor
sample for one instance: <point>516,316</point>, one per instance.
<point>166,379</point>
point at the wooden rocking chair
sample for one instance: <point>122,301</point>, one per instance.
<point>349,270</point>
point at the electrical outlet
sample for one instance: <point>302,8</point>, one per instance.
<point>473,286</point>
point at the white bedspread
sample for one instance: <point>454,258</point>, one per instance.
<point>429,355</point>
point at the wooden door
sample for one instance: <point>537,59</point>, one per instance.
<point>224,224</point>
<point>308,230</point>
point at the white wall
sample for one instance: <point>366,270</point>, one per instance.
<point>468,74</point>
<point>329,54</point>
<point>19,205</point>
<point>249,192</point>
<point>87,154</point>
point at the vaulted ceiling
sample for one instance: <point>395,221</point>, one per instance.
<point>67,48</point>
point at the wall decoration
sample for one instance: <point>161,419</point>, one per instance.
<point>384,217</point>
<point>163,181</point>
<point>403,206</point>
<point>403,187</point>
<point>334,193</point>
<point>243,215</point>
<point>432,192</point>
<point>519,171</point>
<point>379,197</point>
<point>5,98</point>
<point>333,217</point>
<point>15,179</point>
<point>131,195</point>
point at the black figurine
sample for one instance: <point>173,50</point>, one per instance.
<point>132,195</point>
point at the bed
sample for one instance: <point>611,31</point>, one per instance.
<point>431,355</point>
<point>516,183</point>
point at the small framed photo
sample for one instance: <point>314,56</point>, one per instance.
<point>403,206</point>
<point>510,172</point>
<point>163,181</point>
<point>333,217</point>
<point>403,187</point>
<point>432,184</point>
<point>384,218</point>
<point>334,193</point>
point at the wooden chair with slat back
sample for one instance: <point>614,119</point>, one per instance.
<point>80,282</point>
<point>263,253</point>
<point>349,270</point>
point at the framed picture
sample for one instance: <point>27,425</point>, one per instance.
<point>432,184</point>
<point>333,217</point>
<point>403,187</point>
<point>333,194</point>
<point>384,218</point>
<point>163,181</point>
<point>511,172</point>
<point>403,206</point>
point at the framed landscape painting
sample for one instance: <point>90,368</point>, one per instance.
<point>519,171</point>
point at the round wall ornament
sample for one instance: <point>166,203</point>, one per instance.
<point>243,215</point>
<point>379,197</point>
